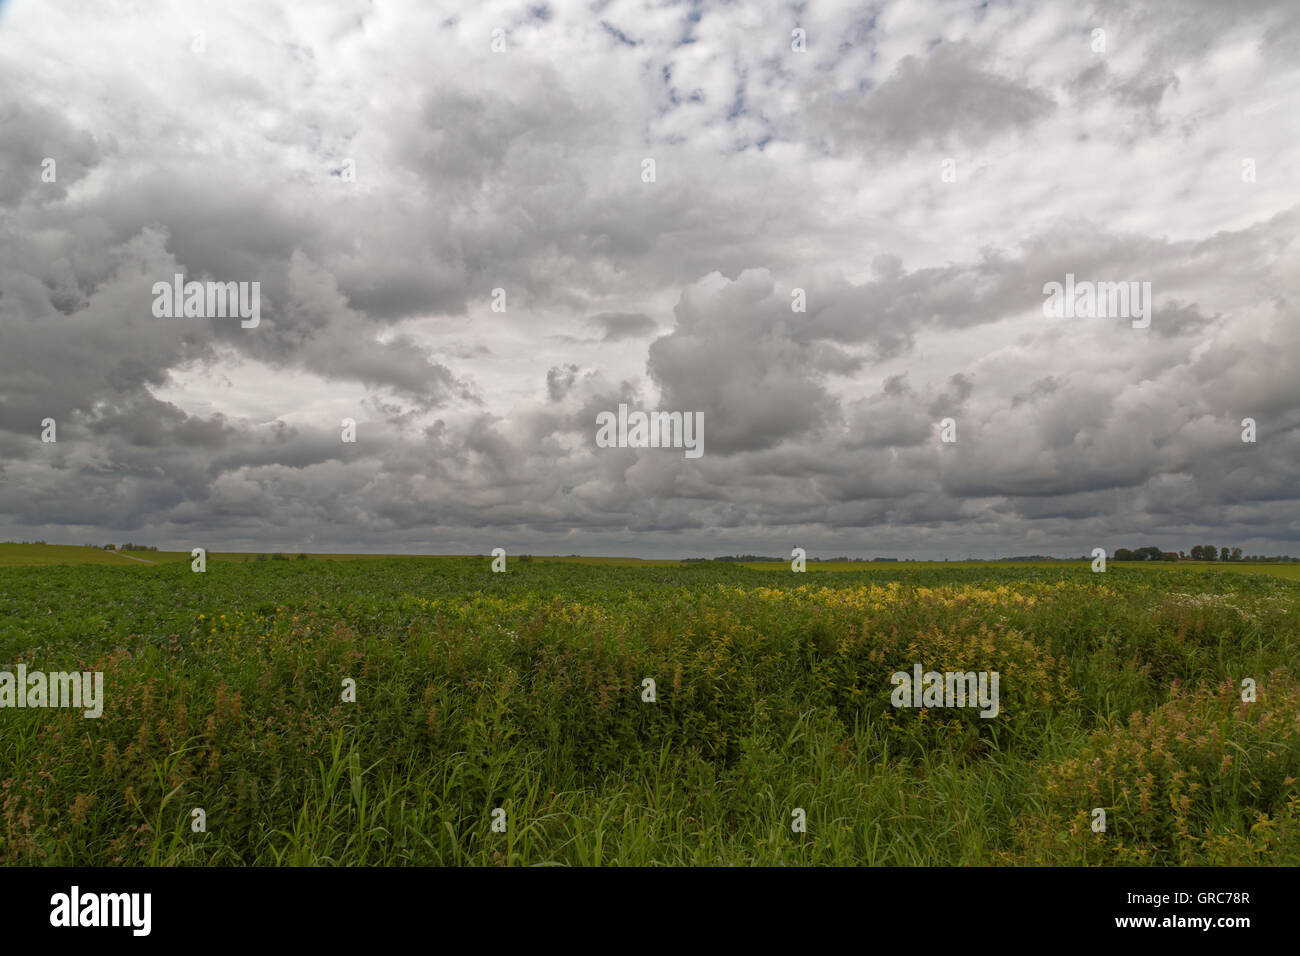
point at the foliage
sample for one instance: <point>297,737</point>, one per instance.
<point>523,690</point>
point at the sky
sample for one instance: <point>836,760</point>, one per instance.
<point>460,247</point>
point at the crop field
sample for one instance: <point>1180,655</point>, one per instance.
<point>506,718</point>
<point>24,555</point>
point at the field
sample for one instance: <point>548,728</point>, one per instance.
<point>27,555</point>
<point>523,692</point>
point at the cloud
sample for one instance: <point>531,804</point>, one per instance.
<point>382,173</point>
<point>946,97</point>
<point>623,325</point>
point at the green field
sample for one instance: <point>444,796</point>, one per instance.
<point>523,692</point>
<point>1289,571</point>
<point>36,554</point>
<point>27,555</point>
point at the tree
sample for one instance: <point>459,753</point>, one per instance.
<point>1211,552</point>
<point>1123,554</point>
<point>1236,554</point>
<point>1198,553</point>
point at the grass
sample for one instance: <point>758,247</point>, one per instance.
<point>523,692</point>
<point>13,554</point>
<point>26,555</point>
<point>1288,571</point>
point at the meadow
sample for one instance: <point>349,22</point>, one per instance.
<point>523,692</point>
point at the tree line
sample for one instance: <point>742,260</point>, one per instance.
<point>1200,552</point>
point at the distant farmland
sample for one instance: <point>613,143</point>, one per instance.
<point>43,554</point>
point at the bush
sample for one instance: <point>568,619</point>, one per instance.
<point>1193,782</point>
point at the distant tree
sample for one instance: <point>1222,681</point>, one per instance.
<point>1123,554</point>
<point>1211,553</point>
<point>1225,554</point>
<point>1198,553</point>
<point>1236,554</point>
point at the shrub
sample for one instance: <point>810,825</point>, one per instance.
<point>1181,785</point>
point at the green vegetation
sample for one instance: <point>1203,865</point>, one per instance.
<point>523,691</point>
<point>43,554</point>
<point>27,555</point>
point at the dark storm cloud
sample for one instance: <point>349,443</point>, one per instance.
<point>522,170</point>
<point>34,134</point>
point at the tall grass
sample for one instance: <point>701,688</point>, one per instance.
<point>523,691</point>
